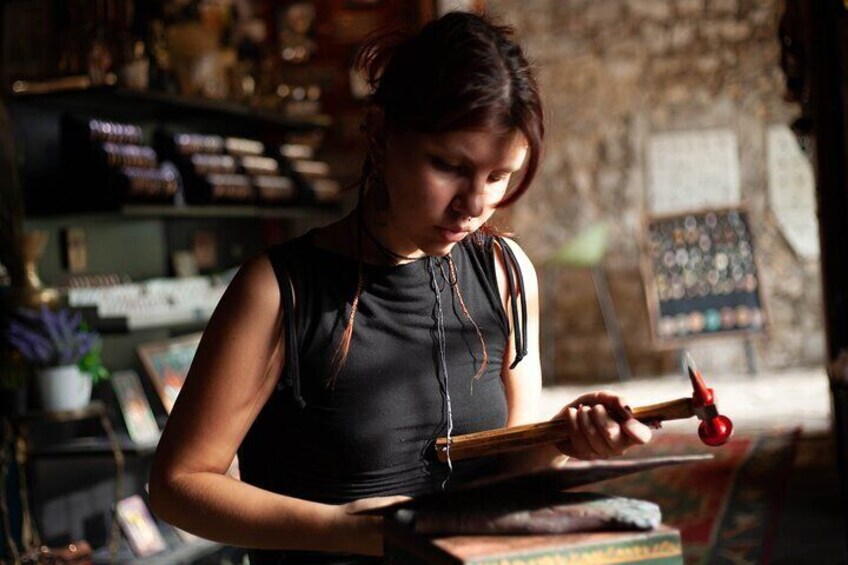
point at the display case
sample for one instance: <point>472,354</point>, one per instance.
<point>131,179</point>
<point>76,444</point>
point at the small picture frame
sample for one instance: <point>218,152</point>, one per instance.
<point>139,527</point>
<point>167,363</point>
<point>141,424</point>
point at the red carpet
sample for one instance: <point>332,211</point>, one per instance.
<point>726,509</point>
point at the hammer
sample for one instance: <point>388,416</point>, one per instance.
<point>714,430</point>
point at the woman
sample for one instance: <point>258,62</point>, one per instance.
<point>335,360</point>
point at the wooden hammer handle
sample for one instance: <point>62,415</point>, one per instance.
<point>502,440</point>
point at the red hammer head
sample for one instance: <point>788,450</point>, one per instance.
<point>715,429</point>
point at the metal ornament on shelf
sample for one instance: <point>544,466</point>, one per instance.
<point>34,293</point>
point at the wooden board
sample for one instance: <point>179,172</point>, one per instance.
<point>660,546</point>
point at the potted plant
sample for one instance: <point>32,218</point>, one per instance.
<point>62,350</point>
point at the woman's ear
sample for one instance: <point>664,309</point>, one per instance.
<point>376,117</point>
<point>375,132</point>
<point>375,187</point>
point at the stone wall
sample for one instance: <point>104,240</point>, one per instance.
<point>613,73</point>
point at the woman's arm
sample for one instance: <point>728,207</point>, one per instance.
<point>599,425</point>
<point>233,374</point>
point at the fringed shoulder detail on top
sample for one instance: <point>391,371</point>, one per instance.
<point>517,299</point>
<point>291,370</point>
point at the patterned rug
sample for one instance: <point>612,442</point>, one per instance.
<point>726,509</point>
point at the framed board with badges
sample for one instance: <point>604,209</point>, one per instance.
<point>701,277</point>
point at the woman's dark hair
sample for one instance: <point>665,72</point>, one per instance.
<point>458,72</point>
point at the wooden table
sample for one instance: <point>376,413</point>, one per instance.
<point>660,546</point>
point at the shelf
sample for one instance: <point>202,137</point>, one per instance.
<point>179,553</point>
<point>218,106</point>
<point>117,326</point>
<point>178,304</point>
<point>95,409</point>
<point>166,211</point>
<point>157,105</point>
<point>124,324</point>
<point>93,446</point>
<point>142,211</point>
<point>86,445</point>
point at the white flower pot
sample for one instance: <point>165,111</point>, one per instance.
<point>63,388</point>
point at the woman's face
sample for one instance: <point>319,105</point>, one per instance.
<point>444,186</point>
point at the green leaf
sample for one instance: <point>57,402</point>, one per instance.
<point>585,250</point>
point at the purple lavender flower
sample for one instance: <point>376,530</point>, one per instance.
<point>46,338</point>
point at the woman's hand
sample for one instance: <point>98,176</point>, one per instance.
<point>600,425</point>
<point>363,532</point>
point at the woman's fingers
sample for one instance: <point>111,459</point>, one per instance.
<point>591,432</point>
<point>614,403</point>
<point>601,425</point>
<point>638,432</point>
<point>579,445</point>
<point>607,427</point>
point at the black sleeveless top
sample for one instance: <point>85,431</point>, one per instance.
<point>372,432</point>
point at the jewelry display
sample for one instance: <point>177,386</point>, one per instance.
<point>702,274</point>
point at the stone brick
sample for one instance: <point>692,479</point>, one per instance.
<point>688,8</point>
<point>735,31</point>
<point>719,355</point>
<point>760,16</point>
<point>677,93</point>
<point>603,14</point>
<point>724,6</point>
<point>708,64</point>
<point>729,58</point>
<point>625,70</point>
<point>657,37</point>
<point>813,349</point>
<point>650,9</point>
<point>623,47</point>
<point>670,66</point>
<point>609,180</point>
<point>711,32</point>
<point>682,35</point>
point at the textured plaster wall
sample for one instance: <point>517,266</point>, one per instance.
<point>613,73</point>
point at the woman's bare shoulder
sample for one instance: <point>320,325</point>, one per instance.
<point>256,282</point>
